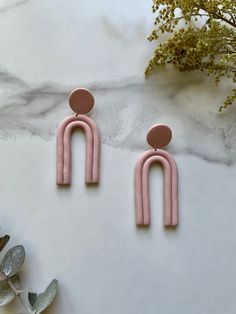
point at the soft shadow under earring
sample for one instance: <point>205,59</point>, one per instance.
<point>158,136</point>
<point>81,101</point>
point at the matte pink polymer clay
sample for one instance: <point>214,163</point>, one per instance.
<point>158,136</point>
<point>81,101</point>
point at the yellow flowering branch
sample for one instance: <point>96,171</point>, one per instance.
<point>207,41</point>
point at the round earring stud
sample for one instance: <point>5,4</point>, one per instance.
<point>159,135</point>
<point>81,100</point>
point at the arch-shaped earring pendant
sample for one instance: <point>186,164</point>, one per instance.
<point>158,136</point>
<point>81,101</point>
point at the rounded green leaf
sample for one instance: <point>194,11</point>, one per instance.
<point>13,260</point>
<point>6,293</point>
<point>44,299</point>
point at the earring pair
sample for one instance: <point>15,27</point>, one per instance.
<point>81,102</point>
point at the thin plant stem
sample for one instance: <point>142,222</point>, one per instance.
<point>23,303</point>
<point>18,294</point>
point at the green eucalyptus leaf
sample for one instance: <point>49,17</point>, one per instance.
<point>3,241</point>
<point>32,298</point>
<point>44,299</point>
<point>6,293</point>
<point>13,260</point>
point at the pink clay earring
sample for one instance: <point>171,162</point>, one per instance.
<point>82,102</point>
<point>158,136</point>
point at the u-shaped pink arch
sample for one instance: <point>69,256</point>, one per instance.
<point>142,187</point>
<point>167,190</point>
<point>92,149</point>
<point>67,151</point>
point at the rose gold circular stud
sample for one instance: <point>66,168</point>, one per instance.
<point>159,135</point>
<point>81,100</point>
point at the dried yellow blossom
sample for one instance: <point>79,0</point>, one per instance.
<point>206,41</point>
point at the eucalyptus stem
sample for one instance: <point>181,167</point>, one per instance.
<point>9,281</point>
<point>25,305</point>
<point>18,293</point>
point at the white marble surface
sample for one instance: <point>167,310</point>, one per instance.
<point>86,237</point>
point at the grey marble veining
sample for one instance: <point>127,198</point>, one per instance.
<point>5,6</point>
<point>124,111</point>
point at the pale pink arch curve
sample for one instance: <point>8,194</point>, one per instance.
<point>142,189</point>
<point>167,190</point>
<point>92,149</point>
<point>67,151</point>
